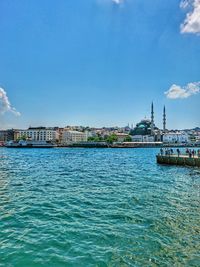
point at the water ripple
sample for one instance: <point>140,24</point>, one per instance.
<point>90,207</point>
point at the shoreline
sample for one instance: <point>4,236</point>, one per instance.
<point>106,146</point>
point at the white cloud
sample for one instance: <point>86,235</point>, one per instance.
<point>185,3</point>
<point>176,91</point>
<point>192,20</point>
<point>5,105</point>
<point>118,1</point>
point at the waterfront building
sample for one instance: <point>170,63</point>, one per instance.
<point>197,141</point>
<point>7,135</point>
<point>121,137</point>
<point>39,134</point>
<point>194,135</point>
<point>192,139</point>
<point>3,136</point>
<point>91,134</point>
<point>137,138</point>
<point>175,137</point>
<point>69,136</point>
<point>142,138</point>
<point>60,135</point>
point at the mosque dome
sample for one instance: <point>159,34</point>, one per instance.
<point>142,128</point>
<point>147,127</point>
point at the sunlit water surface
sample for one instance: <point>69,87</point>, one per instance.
<point>97,207</point>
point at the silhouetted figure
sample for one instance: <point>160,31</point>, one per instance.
<point>193,152</point>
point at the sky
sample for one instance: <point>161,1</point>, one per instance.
<point>99,62</point>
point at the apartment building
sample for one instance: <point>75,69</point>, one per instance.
<point>39,134</point>
<point>73,136</point>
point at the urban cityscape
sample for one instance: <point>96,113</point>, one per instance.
<point>144,133</point>
<point>99,133</point>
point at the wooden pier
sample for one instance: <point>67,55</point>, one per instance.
<point>182,160</point>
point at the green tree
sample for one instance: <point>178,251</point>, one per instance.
<point>97,138</point>
<point>23,137</point>
<point>111,138</point>
<point>128,139</point>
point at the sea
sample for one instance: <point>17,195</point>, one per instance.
<point>79,207</point>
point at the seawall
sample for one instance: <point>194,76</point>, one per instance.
<point>181,160</point>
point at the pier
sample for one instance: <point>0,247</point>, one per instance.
<point>182,160</point>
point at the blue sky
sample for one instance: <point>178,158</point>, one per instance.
<point>99,62</point>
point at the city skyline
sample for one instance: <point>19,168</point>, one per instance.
<point>99,63</point>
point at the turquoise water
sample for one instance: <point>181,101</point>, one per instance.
<point>97,207</point>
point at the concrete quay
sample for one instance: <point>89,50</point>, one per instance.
<point>182,160</point>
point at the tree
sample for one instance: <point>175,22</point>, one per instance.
<point>128,139</point>
<point>23,137</point>
<point>95,139</point>
<point>111,138</point>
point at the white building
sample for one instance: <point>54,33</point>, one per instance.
<point>121,137</point>
<point>39,134</point>
<point>175,137</point>
<point>74,137</point>
<point>142,138</point>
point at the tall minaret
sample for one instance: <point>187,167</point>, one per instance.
<point>152,119</point>
<point>164,120</point>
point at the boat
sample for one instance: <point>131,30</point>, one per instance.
<point>29,144</point>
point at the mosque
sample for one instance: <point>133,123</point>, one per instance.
<point>146,130</point>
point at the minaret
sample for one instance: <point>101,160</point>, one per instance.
<point>164,120</point>
<point>152,119</point>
